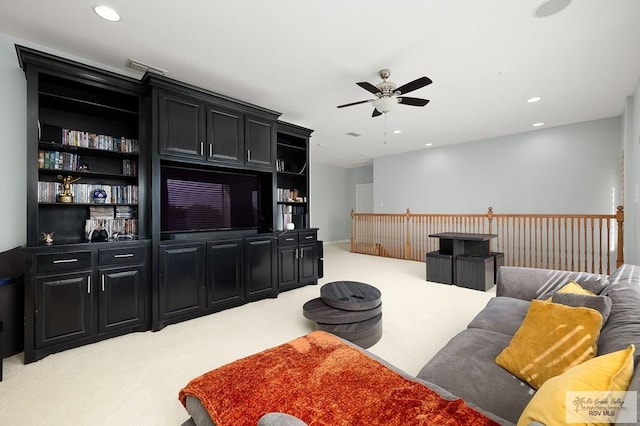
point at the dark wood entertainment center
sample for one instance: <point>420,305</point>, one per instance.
<point>107,135</point>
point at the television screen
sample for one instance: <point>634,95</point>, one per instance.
<point>201,200</point>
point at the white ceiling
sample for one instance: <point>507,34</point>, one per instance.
<point>303,58</point>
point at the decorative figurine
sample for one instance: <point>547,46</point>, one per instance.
<point>47,237</point>
<point>99,234</point>
<point>99,196</point>
<point>83,168</point>
<point>65,195</point>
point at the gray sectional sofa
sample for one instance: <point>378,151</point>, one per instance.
<point>466,365</point>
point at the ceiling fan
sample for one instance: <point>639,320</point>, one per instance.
<point>387,94</point>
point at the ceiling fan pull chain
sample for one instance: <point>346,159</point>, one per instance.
<point>385,129</point>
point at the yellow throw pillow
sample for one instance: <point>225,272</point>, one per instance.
<point>551,339</point>
<point>572,287</point>
<point>611,372</point>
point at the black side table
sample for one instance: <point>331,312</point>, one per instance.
<point>350,310</point>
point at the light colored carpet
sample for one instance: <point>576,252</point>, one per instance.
<point>135,379</point>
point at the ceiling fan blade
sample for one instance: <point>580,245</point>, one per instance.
<point>376,113</point>
<point>354,103</point>
<point>414,85</point>
<point>412,101</point>
<point>369,87</point>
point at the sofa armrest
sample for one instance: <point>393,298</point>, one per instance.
<point>530,283</point>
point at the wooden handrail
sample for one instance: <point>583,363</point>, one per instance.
<point>576,242</point>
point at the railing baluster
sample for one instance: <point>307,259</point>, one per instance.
<point>532,240</point>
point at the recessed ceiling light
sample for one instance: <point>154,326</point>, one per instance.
<point>538,124</point>
<point>534,99</point>
<point>105,12</point>
<point>428,144</point>
<point>397,131</point>
<point>550,7</point>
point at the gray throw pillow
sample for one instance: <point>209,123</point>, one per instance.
<point>601,304</point>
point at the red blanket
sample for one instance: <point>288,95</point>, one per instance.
<point>322,381</point>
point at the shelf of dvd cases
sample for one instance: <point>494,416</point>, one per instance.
<point>83,193</point>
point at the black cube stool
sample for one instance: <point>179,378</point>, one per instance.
<point>439,267</point>
<point>498,261</point>
<point>475,272</point>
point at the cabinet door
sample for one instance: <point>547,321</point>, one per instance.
<point>260,267</point>
<point>181,126</point>
<point>63,308</point>
<point>224,273</point>
<point>259,142</point>
<point>308,261</point>
<point>181,280</point>
<point>121,297</point>
<point>225,135</point>
<point>288,267</point>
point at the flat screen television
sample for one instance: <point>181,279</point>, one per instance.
<point>202,200</point>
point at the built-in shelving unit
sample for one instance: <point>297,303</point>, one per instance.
<point>292,166</point>
<point>105,155</point>
<point>86,174</point>
<point>86,129</point>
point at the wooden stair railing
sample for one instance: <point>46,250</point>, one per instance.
<point>575,242</point>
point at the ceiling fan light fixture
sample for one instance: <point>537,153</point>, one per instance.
<point>385,104</point>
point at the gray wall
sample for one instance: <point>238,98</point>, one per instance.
<point>566,169</point>
<point>330,204</point>
<point>632,178</point>
<point>13,136</point>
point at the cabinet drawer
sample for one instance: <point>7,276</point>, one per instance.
<point>63,261</point>
<point>288,240</point>
<point>307,237</point>
<point>115,256</point>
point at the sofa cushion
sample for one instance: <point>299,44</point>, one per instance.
<point>551,339</point>
<point>623,326</point>
<point>571,287</point>
<point>529,283</point>
<point>465,367</point>
<point>611,372</point>
<point>601,304</point>
<point>502,314</point>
